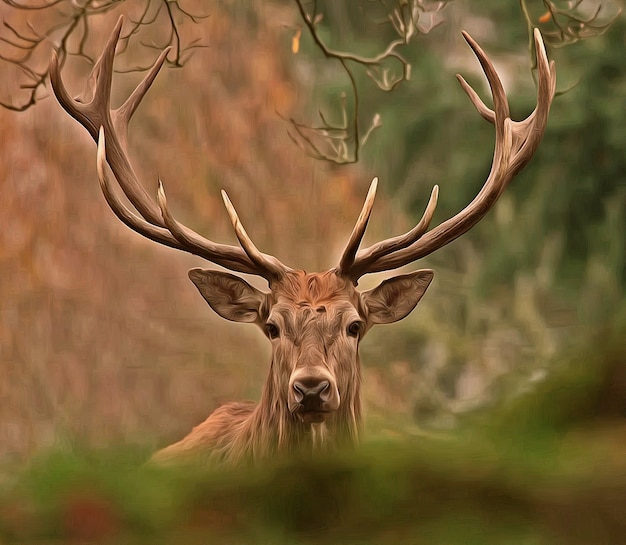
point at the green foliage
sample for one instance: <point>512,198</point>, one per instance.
<point>550,260</point>
<point>573,192</point>
<point>567,207</point>
<point>584,391</point>
<point>459,491</point>
<point>542,468</point>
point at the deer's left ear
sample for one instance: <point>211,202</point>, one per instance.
<point>395,298</point>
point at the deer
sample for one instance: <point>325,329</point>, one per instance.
<point>310,401</point>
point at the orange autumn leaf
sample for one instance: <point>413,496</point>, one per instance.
<point>295,41</point>
<point>545,17</point>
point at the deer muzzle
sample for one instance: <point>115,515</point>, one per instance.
<point>313,396</point>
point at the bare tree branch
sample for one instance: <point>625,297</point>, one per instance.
<point>43,5</point>
<point>569,21</point>
<point>341,143</point>
<point>67,26</point>
<point>29,52</point>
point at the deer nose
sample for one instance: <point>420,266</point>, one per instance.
<point>310,389</point>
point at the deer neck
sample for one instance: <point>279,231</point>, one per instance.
<point>271,428</point>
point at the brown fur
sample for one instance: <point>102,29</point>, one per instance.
<point>313,312</point>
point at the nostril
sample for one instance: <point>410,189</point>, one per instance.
<point>317,389</point>
<point>324,390</point>
<point>300,391</point>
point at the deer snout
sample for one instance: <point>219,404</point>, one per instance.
<point>313,397</point>
<point>311,389</point>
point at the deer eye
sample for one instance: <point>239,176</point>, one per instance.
<point>272,331</point>
<point>354,329</point>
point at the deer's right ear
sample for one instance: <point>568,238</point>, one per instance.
<point>230,296</point>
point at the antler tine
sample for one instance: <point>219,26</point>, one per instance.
<point>273,268</point>
<point>230,257</point>
<point>487,113</point>
<point>101,77</point>
<point>501,104</point>
<point>546,89</point>
<point>515,144</point>
<point>227,256</point>
<point>347,259</point>
<point>367,256</point>
<point>92,107</point>
<point>154,220</point>
<point>121,116</point>
<point>125,215</point>
<point>96,113</point>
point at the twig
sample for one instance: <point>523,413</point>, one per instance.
<point>341,144</point>
<point>74,28</point>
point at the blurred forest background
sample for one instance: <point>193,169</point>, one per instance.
<point>100,327</point>
<point>103,339</point>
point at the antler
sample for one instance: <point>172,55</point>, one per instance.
<point>93,111</point>
<point>516,142</point>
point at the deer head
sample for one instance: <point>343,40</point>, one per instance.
<point>314,321</point>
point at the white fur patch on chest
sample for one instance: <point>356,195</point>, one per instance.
<point>319,435</point>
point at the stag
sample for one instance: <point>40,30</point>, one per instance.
<point>314,321</point>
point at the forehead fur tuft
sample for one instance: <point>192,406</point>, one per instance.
<point>314,289</point>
